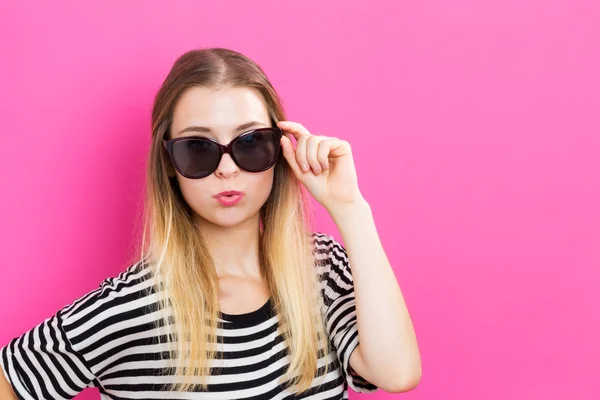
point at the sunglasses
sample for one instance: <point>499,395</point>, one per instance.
<point>197,157</point>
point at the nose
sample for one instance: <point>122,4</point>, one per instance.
<point>227,168</point>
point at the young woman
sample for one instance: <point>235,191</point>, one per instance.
<point>234,296</point>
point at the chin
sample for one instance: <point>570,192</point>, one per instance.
<point>227,220</point>
<point>228,223</point>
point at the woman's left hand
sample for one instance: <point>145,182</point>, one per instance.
<point>323,164</point>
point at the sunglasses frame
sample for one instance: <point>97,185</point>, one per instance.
<point>223,148</point>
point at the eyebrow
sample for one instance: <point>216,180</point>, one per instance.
<point>205,129</point>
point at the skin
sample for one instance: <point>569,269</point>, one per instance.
<point>232,232</point>
<point>6,392</point>
<point>388,354</point>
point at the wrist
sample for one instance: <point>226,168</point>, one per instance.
<point>349,210</point>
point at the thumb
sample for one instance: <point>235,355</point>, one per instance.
<point>290,155</point>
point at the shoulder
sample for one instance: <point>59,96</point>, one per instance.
<point>330,256</point>
<point>125,293</point>
<point>324,243</point>
<point>83,333</point>
<point>327,249</point>
<point>333,268</point>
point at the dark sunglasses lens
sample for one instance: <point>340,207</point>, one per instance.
<point>256,151</point>
<point>196,158</point>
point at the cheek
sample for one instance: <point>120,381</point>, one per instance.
<point>259,185</point>
<point>196,192</point>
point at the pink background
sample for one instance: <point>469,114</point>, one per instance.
<point>476,135</point>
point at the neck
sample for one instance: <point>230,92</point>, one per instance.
<point>235,249</point>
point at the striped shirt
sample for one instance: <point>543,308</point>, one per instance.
<point>107,339</point>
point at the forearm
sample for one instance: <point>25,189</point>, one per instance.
<point>387,337</point>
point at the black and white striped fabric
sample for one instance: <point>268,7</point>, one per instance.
<point>108,339</point>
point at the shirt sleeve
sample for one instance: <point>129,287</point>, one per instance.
<point>338,290</point>
<point>67,352</point>
<point>42,363</point>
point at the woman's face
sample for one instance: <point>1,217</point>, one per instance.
<point>223,112</point>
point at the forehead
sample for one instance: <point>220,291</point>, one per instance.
<point>220,110</point>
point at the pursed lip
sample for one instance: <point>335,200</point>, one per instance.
<point>229,193</point>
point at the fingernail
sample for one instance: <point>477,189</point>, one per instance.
<point>305,167</point>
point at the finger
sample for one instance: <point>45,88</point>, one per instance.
<point>312,148</point>
<point>301,153</point>
<point>294,128</point>
<point>323,153</point>
<point>290,155</point>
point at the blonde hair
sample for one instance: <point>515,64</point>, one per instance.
<point>173,246</point>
